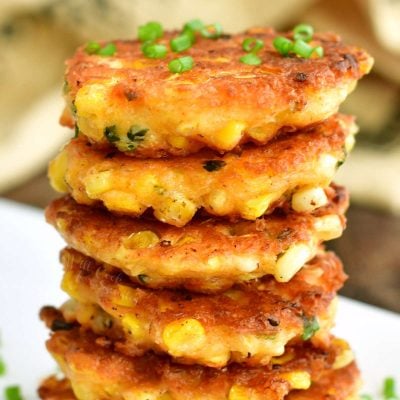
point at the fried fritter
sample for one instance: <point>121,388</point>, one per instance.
<point>137,105</point>
<point>206,255</point>
<point>97,372</point>
<point>341,384</point>
<point>249,323</point>
<point>246,185</point>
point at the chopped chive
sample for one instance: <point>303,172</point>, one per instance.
<point>181,64</point>
<point>76,131</point>
<point>213,165</point>
<point>3,368</point>
<point>302,49</point>
<point>135,135</point>
<point>252,45</point>
<point>250,59</point>
<point>389,389</point>
<point>319,51</point>
<point>303,32</point>
<point>195,25</point>
<point>310,326</point>
<point>13,393</point>
<point>110,132</point>
<point>153,50</point>
<point>108,50</point>
<point>92,47</point>
<point>283,45</point>
<point>182,42</point>
<point>213,31</point>
<point>150,32</point>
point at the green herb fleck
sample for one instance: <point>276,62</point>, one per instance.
<point>213,165</point>
<point>250,59</point>
<point>135,135</point>
<point>76,131</point>
<point>143,279</point>
<point>195,25</point>
<point>181,64</point>
<point>13,393</point>
<point>154,50</point>
<point>310,326</point>
<point>303,32</point>
<point>150,32</point>
<point>389,389</point>
<point>181,42</point>
<point>252,45</point>
<point>110,132</point>
<point>365,397</point>
<point>108,49</point>
<point>3,368</point>
<point>213,31</point>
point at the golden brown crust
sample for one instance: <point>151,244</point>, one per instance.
<point>245,185</point>
<point>181,257</point>
<point>198,105</point>
<point>340,384</point>
<point>250,323</point>
<point>95,370</point>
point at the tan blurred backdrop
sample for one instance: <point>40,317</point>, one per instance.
<point>37,35</point>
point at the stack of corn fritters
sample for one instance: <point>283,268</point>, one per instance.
<point>196,211</point>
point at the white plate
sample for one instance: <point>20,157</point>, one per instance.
<point>30,277</point>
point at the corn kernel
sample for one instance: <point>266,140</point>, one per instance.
<point>175,211</point>
<point>328,227</point>
<point>346,355</point>
<point>285,358</point>
<point>229,136</point>
<point>327,165</point>
<point>134,327</point>
<point>184,336</point>
<point>121,201</point>
<point>179,142</point>
<point>57,170</point>
<point>291,261</point>
<point>298,379</point>
<point>257,207</point>
<point>217,201</point>
<point>238,392</point>
<point>98,183</point>
<point>309,199</point>
<point>185,239</point>
<point>69,286</point>
<point>349,143</point>
<point>141,240</point>
<point>145,394</point>
<point>126,296</point>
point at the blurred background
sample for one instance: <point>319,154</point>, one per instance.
<point>37,35</point>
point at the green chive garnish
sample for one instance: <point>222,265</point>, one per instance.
<point>92,47</point>
<point>252,45</point>
<point>108,50</point>
<point>389,389</point>
<point>195,25</point>
<point>303,32</point>
<point>310,326</point>
<point>110,132</point>
<point>3,368</point>
<point>95,48</point>
<point>302,49</point>
<point>250,59</point>
<point>283,45</point>
<point>150,32</point>
<point>182,42</point>
<point>153,50</point>
<point>213,31</point>
<point>13,393</point>
<point>181,64</point>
